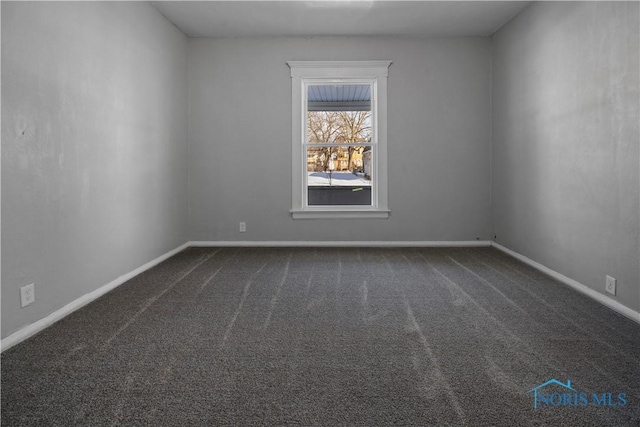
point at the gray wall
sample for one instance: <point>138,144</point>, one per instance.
<point>97,179</point>
<point>438,133</point>
<point>565,149</point>
<point>94,149</point>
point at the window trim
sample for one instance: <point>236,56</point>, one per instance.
<point>304,72</point>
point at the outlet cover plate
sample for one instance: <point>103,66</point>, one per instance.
<point>610,285</point>
<point>27,295</point>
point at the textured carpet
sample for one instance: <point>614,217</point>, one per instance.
<point>330,336</point>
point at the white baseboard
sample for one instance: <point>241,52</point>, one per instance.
<point>601,298</point>
<point>373,244</point>
<point>47,321</point>
<point>52,318</point>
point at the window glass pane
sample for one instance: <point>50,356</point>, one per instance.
<point>339,113</point>
<point>339,175</point>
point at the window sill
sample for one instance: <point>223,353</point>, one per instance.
<point>340,214</point>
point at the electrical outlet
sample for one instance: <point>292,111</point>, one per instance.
<point>610,285</point>
<point>243,227</point>
<point>27,295</point>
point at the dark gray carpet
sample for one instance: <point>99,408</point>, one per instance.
<point>326,336</point>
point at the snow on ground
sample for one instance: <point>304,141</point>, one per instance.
<point>338,178</point>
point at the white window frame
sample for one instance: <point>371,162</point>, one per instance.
<point>305,73</point>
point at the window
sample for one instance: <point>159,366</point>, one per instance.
<point>339,135</point>
<point>339,139</point>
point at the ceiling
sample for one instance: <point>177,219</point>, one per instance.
<point>339,18</point>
